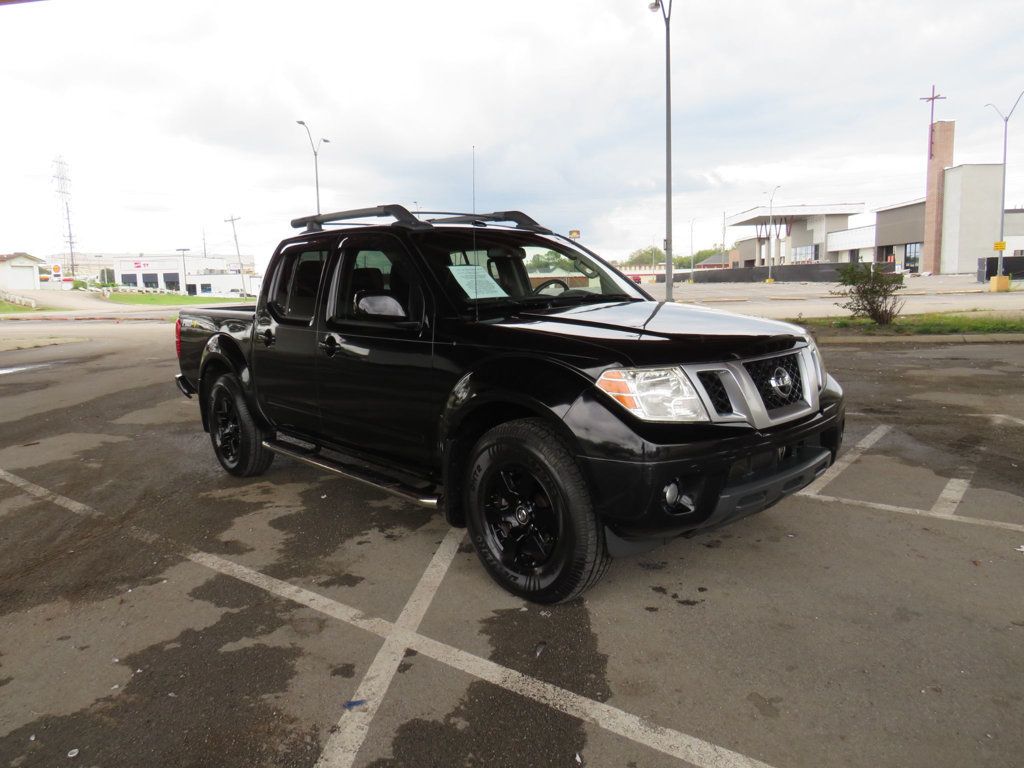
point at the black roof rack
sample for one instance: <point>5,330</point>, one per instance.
<point>520,219</point>
<point>399,213</point>
<point>404,218</point>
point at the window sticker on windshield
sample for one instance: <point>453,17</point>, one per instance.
<point>476,282</point>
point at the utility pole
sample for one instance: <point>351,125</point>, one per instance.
<point>238,253</point>
<point>64,193</point>
<point>724,257</point>
<point>182,283</point>
<point>204,242</point>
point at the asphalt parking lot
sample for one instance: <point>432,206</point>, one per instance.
<point>155,611</point>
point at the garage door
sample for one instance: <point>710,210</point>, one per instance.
<point>21,278</point>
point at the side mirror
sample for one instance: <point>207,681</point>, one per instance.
<point>382,305</point>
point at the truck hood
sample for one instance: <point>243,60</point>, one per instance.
<point>651,333</point>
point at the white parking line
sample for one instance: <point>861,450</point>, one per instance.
<point>344,744</point>
<point>20,368</point>
<point>665,740</point>
<point>919,512</point>
<point>844,461</point>
<point>703,754</point>
<point>953,493</point>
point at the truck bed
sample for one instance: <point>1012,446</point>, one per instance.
<point>198,324</point>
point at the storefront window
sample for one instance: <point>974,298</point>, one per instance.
<point>912,257</point>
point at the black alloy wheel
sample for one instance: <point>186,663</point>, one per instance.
<point>522,524</point>
<point>236,436</point>
<point>224,427</point>
<point>529,513</point>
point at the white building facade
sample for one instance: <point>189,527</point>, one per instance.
<point>19,272</point>
<point>204,276</point>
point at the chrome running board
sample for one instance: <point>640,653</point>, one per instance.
<point>366,476</point>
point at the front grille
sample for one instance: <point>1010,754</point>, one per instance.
<point>712,381</point>
<point>777,395</point>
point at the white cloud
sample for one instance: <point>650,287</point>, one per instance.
<point>173,116</point>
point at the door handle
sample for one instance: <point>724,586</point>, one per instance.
<point>329,344</point>
<point>267,337</point>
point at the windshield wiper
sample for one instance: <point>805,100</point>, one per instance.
<point>601,297</point>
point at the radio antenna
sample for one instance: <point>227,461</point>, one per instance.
<point>476,289</point>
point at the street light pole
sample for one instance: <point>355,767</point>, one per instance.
<point>693,263</point>
<point>316,160</point>
<point>1002,199</point>
<point>665,6</point>
<point>771,203</point>
<point>181,285</point>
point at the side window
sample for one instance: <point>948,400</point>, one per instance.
<point>381,285</point>
<point>296,279</point>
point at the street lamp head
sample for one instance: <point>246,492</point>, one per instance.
<point>326,141</point>
<point>301,122</point>
<point>655,6</point>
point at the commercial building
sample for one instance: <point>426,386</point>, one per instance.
<point>213,275</point>
<point>947,231</point>
<point>789,234</point>
<point>19,272</point>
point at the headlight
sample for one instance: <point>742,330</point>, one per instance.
<point>654,394</point>
<point>819,362</point>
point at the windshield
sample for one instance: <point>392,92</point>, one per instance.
<point>494,267</point>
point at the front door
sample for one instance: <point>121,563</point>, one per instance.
<point>284,338</point>
<point>376,386</point>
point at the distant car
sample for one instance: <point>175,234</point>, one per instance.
<point>562,425</point>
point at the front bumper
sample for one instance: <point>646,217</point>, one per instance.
<point>715,483</point>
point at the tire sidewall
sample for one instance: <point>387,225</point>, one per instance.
<point>493,451</point>
<point>227,386</point>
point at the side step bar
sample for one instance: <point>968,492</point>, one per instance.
<point>367,476</point>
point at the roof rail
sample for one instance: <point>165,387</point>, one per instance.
<point>520,219</point>
<point>399,213</point>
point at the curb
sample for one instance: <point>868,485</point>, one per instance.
<point>932,338</point>
<point>72,318</point>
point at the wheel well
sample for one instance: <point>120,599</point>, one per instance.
<point>210,373</point>
<point>459,445</point>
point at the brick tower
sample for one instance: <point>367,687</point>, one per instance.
<point>940,157</point>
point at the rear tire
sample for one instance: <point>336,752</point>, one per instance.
<point>530,516</point>
<point>236,437</point>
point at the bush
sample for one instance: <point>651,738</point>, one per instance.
<point>870,292</point>
<point>78,285</point>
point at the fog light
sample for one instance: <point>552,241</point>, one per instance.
<point>671,494</point>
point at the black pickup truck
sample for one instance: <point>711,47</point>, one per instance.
<point>483,365</point>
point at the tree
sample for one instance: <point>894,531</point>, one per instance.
<point>650,256</point>
<point>549,261</point>
<point>870,292</point>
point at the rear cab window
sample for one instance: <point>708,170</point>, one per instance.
<point>295,282</point>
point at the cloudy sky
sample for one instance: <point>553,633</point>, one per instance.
<point>173,116</point>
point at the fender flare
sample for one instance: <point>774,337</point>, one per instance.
<point>223,352</point>
<point>496,391</point>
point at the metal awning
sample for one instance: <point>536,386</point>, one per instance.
<point>760,216</point>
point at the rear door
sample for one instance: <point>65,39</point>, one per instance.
<point>284,337</point>
<point>377,388</point>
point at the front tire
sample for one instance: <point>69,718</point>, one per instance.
<point>237,438</point>
<point>530,515</point>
